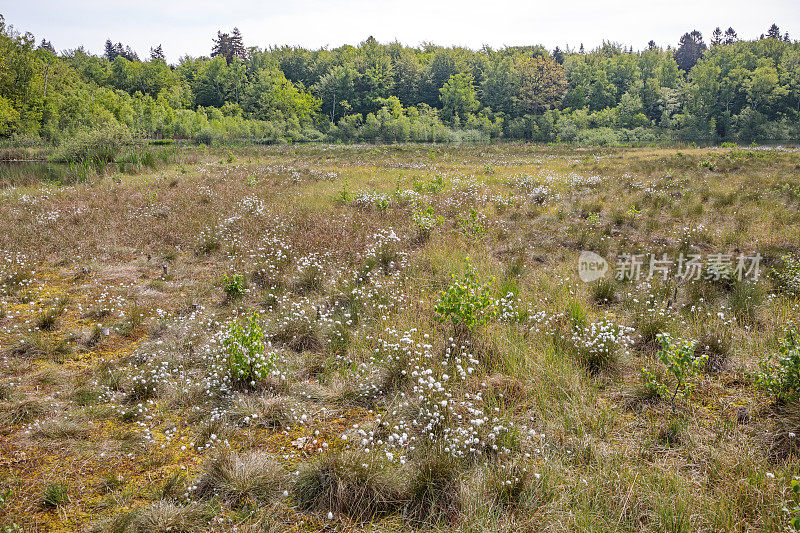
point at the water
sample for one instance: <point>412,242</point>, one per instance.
<point>31,173</point>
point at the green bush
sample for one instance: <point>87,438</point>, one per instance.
<point>780,373</point>
<point>234,286</point>
<point>466,302</point>
<point>682,364</point>
<point>787,275</point>
<point>245,352</point>
<point>98,146</point>
<point>205,136</point>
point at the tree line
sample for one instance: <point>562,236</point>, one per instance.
<point>728,89</point>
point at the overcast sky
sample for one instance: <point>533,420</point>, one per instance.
<point>187,26</point>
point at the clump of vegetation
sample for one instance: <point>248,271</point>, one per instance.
<point>434,489</point>
<point>425,220</point>
<point>55,495</point>
<point>682,364</point>
<point>604,291</point>
<point>794,510</point>
<point>507,484</point>
<point>245,350</point>
<point>251,479</point>
<point>466,302</point>
<point>598,344</point>
<point>161,517</point>
<point>473,225</point>
<point>780,373</point>
<point>787,275</point>
<point>99,146</point>
<point>342,483</point>
<point>234,286</point>
<point>48,319</point>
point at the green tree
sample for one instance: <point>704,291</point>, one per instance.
<point>543,84</point>
<point>272,97</point>
<point>458,97</point>
<point>690,50</point>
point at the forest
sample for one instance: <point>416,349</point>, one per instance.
<point>728,90</point>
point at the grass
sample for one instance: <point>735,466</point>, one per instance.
<point>523,409</point>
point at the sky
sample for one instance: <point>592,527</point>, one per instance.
<point>188,26</point>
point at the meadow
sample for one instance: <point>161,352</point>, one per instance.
<point>382,338</point>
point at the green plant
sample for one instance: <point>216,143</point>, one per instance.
<point>98,146</point>
<point>794,511</point>
<point>604,291</point>
<point>343,483</point>
<point>233,285</point>
<point>12,527</point>
<point>780,373</point>
<point>425,220</point>
<point>205,136</point>
<point>245,353</point>
<point>787,276</point>
<point>466,302</point>
<point>682,365</point>
<point>473,225</point>
<point>250,479</point>
<point>55,495</point>
<point>344,196</point>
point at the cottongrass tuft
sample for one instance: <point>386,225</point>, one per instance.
<point>343,483</point>
<point>251,479</point>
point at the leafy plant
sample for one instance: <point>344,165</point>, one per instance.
<point>682,364</point>
<point>787,276</point>
<point>12,527</point>
<point>233,285</point>
<point>466,302</point>
<point>780,374</point>
<point>425,220</point>
<point>247,359</point>
<point>473,225</point>
<point>794,511</point>
<point>344,196</point>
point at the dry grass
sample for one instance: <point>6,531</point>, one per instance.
<point>117,398</point>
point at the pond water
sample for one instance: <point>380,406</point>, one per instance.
<point>27,173</point>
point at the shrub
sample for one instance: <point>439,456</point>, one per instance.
<point>466,302</point>
<point>473,226</point>
<point>245,350</point>
<point>205,136</point>
<point>97,146</point>
<point>233,285</point>
<point>424,221</point>
<point>780,373</point>
<point>794,511</point>
<point>682,364</point>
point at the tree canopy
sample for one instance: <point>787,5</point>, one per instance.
<point>732,89</point>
